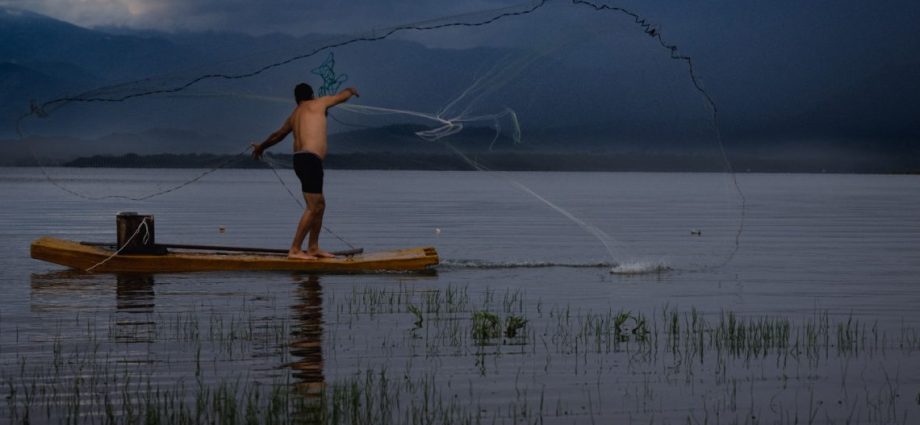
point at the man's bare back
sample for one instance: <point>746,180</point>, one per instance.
<point>308,123</point>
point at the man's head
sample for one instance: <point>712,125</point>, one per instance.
<point>303,92</point>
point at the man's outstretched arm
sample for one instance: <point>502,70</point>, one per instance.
<point>343,95</point>
<point>272,139</point>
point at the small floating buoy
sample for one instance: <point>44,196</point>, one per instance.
<point>437,230</point>
<point>221,229</point>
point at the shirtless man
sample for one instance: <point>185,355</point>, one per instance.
<point>308,122</point>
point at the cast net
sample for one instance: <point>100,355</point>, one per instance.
<point>546,85</point>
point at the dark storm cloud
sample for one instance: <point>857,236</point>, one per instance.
<point>780,68</point>
<point>289,16</point>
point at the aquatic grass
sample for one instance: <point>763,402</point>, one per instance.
<point>513,301</point>
<point>417,314</point>
<point>372,301</point>
<point>87,386</point>
<point>461,343</point>
<point>513,325</point>
<point>485,326</point>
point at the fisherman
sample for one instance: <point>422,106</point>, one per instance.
<point>308,122</point>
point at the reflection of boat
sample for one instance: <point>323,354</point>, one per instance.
<point>100,259</point>
<point>69,291</point>
<point>76,291</point>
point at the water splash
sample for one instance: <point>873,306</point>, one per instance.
<point>640,267</point>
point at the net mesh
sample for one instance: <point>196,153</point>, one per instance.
<point>574,85</point>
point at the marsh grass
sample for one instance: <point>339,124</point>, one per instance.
<point>513,325</point>
<point>486,326</point>
<point>452,355</point>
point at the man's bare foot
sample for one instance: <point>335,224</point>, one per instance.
<point>300,255</point>
<point>322,254</point>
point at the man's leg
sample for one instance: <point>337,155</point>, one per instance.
<point>304,226</point>
<point>317,200</point>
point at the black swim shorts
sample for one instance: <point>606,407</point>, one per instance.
<point>309,169</point>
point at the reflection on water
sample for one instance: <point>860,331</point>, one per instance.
<point>65,291</point>
<point>307,335</point>
<point>814,321</point>
<point>75,291</point>
<point>133,298</point>
<point>134,292</point>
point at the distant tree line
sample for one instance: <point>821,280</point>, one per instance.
<point>510,161</point>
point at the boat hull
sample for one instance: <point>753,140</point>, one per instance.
<point>83,257</point>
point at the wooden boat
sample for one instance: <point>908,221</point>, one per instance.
<point>101,259</point>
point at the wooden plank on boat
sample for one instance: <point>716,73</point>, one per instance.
<point>76,255</point>
<point>109,245</point>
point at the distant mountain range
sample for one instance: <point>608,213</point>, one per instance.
<point>628,111</point>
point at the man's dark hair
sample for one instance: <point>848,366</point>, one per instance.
<point>303,92</point>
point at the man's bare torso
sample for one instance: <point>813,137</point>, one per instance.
<point>308,122</point>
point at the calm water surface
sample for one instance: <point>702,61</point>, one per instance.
<point>843,250</point>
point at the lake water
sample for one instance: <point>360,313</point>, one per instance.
<point>813,320</point>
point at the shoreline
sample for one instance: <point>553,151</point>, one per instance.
<point>498,161</point>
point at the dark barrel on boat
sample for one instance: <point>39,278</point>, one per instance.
<point>136,234</point>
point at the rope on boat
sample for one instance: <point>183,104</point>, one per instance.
<point>181,185</point>
<point>137,231</point>
<point>266,160</point>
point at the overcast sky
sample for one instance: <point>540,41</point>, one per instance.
<point>256,17</point>
<point>888,24</point>
<point>802,28</point>
<point>759,57</point>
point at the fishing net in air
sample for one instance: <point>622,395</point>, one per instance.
<point>550,85</point>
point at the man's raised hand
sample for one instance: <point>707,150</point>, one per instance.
<point>256,151</point>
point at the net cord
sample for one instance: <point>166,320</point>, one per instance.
<point>137,231</point>
<point>514,11</point>
<point>301,204</point>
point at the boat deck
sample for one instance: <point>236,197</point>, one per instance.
<point>83,257</point>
